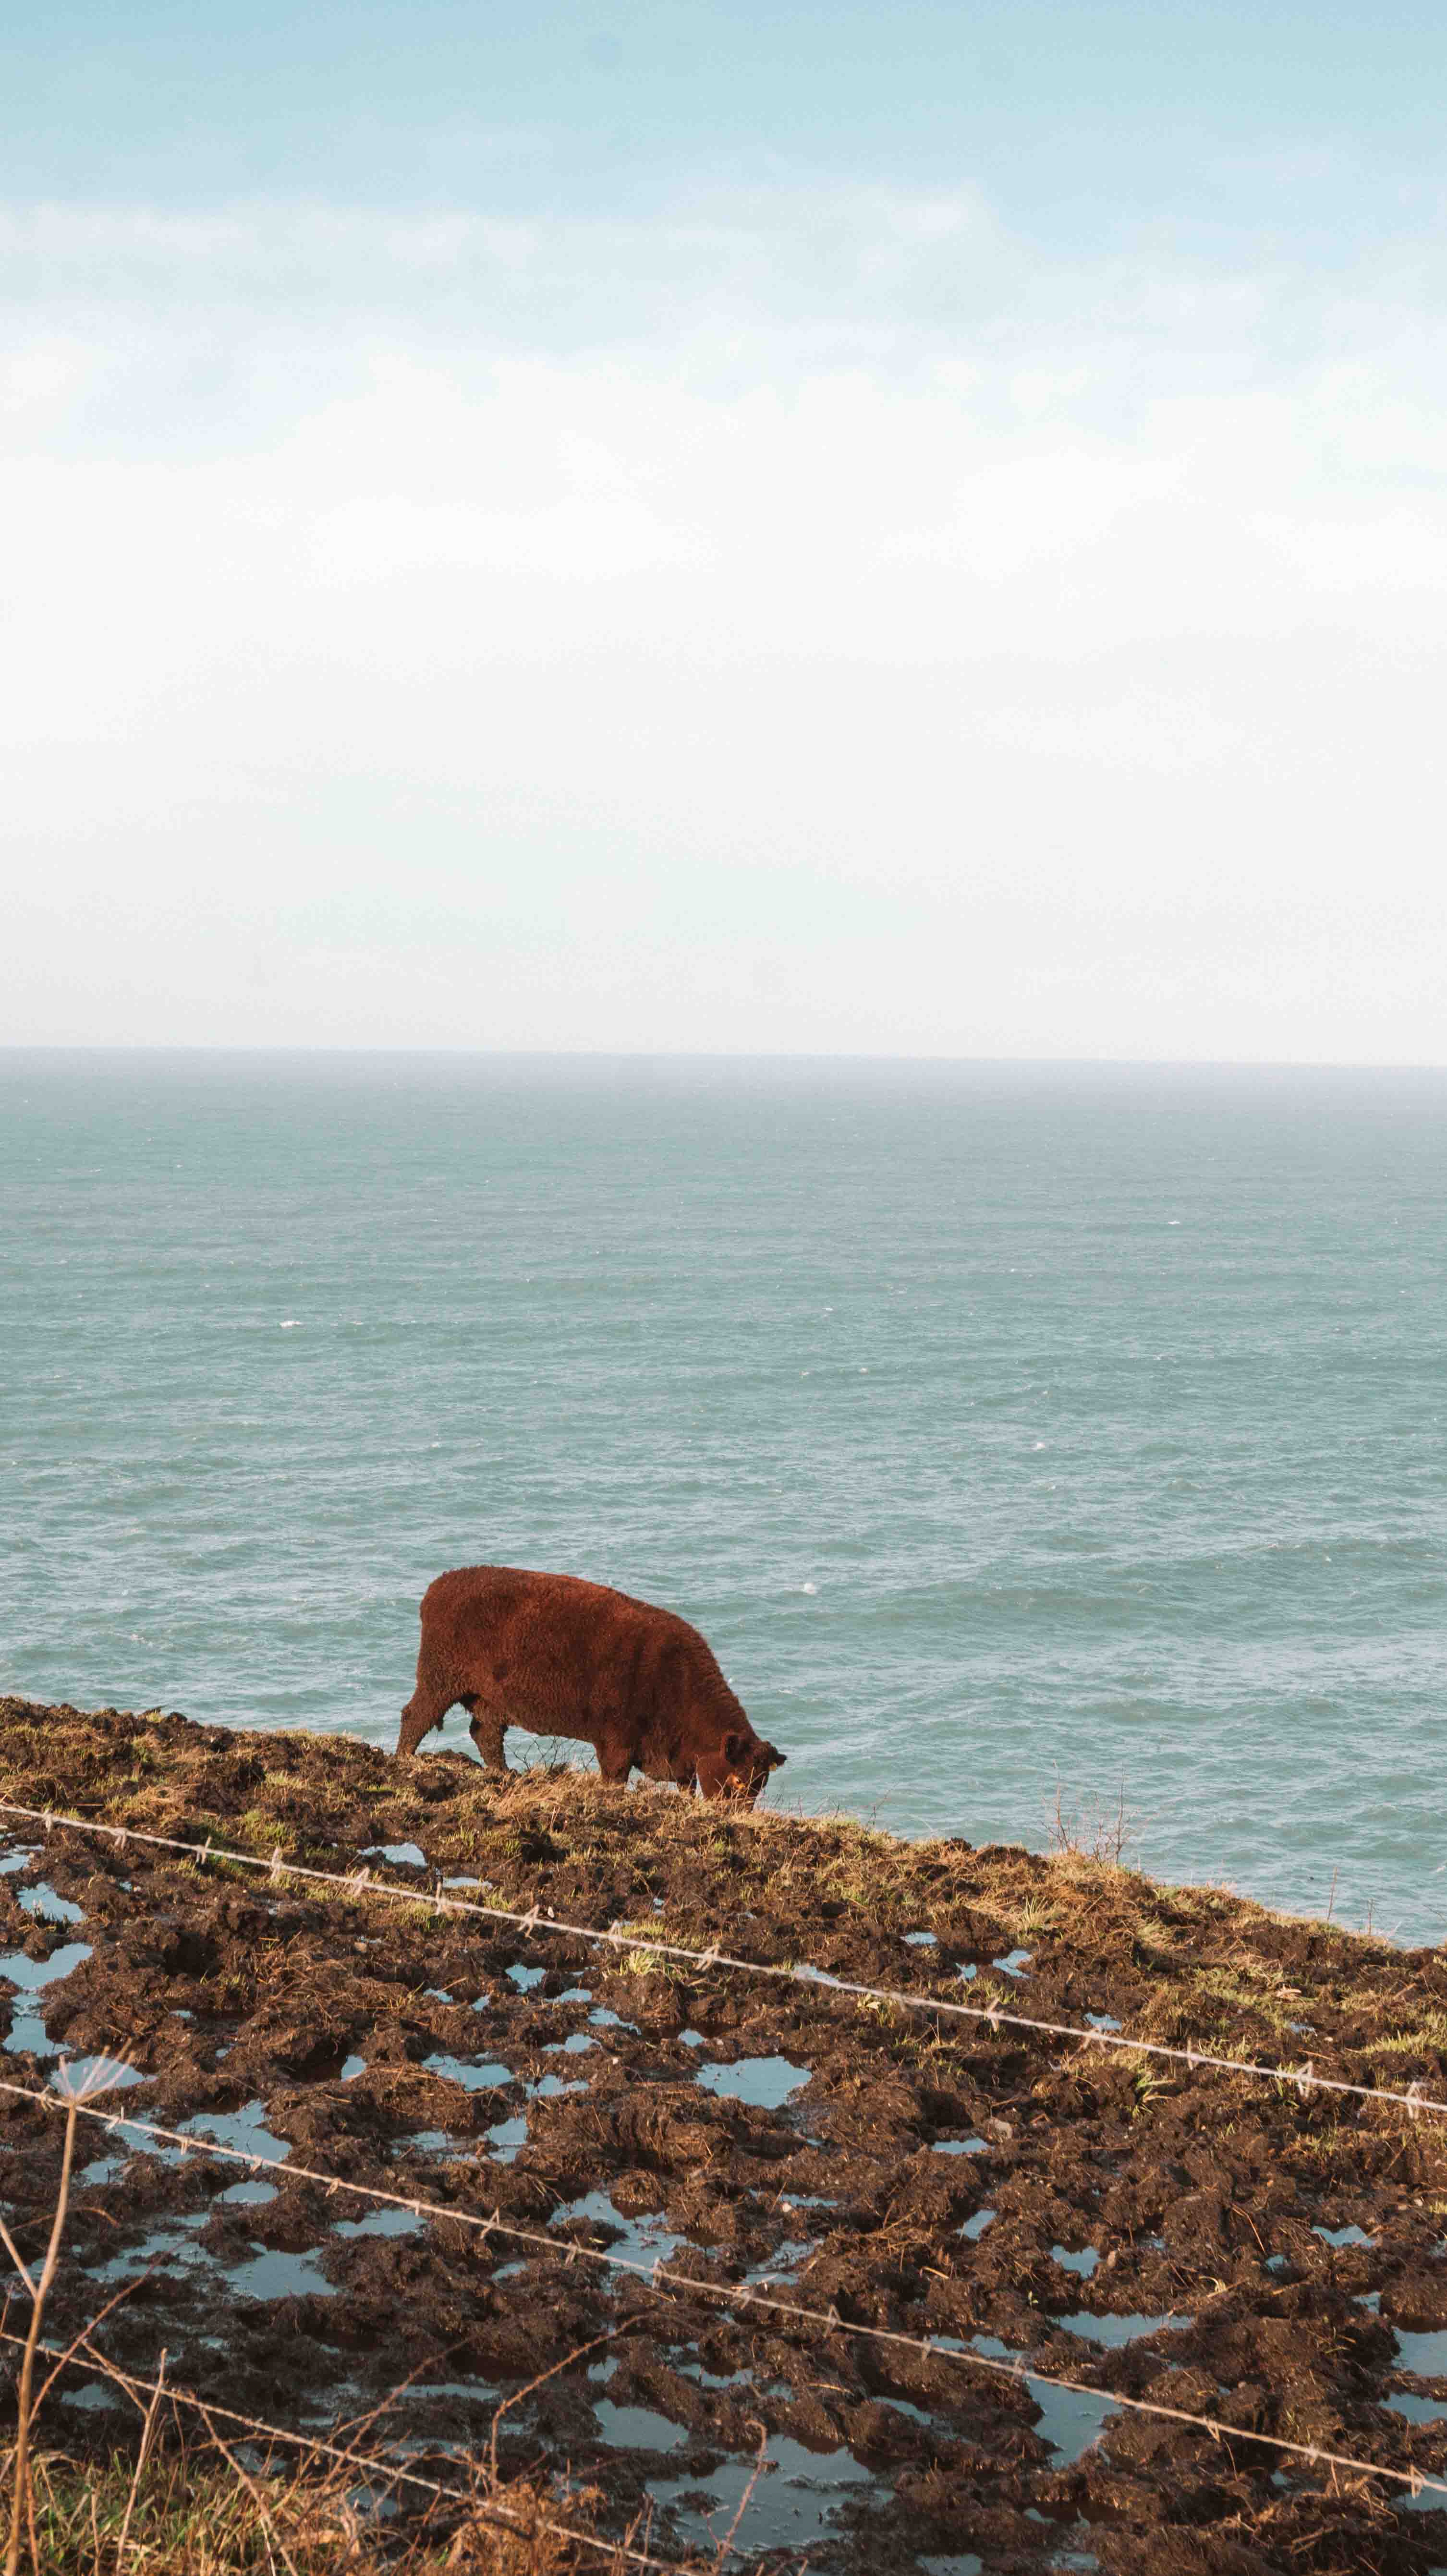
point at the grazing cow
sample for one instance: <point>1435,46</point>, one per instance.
<point>562,1657</point>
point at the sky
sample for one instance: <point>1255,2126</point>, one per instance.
<point>902,530</point>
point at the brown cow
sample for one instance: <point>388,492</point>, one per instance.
<point>562,1657</point>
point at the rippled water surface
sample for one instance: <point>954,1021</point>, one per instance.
<point>1001,1427</point>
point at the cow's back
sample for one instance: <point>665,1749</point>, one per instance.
<point>552,1645</point>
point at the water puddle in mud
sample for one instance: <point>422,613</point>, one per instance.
<point>1013,1963</point>
<point>975,2227</point>
<point>16,1860</point>
<point>1112,2332</point>
<point>921,1941</point>
<point>1417,2410</point>
<point>792,2505</point>
<point>1070,2418</point>
<point>489,2078</point>
<point>1103,2021</point>
<point>270,2274</point>
<point>33,1975</point>
<point>47,1907</point>
<point>1426,2354</point>
<point>1343,2236</point>
<point>507,2138</point>
<point>636,2428</point>
<point>575,2045</point>
<point>524,1977</point>
<point>398,1855</point>
<point>960,2146</point>
<point>1084,2263</point>
<point>765,2083</point>
<point>245,2129</point>
<point>381,2222</point>
<point>645,2239</point>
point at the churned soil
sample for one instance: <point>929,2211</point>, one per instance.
<point>1267,2254</point>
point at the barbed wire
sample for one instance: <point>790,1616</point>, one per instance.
<point>362,1883</point>
<point>373,2464</point>
<point>659,2276</point>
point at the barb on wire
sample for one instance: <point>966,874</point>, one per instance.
<point>729,2294</point>
<point>1413,2101</point>
<point>491,2511</point>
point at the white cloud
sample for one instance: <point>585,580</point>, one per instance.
<point>1009,657</point>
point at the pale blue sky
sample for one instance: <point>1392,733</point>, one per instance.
<point>898,529</point>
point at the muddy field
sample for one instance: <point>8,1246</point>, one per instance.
<point>1221,2246</point>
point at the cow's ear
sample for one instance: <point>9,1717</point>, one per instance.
<point>775,1756</point>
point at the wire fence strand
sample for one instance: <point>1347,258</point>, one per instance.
<point>361,1883</point>
<point>83,2356</point>
<point>659,2276</point>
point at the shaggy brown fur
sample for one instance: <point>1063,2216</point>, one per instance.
<point>562,1657</point>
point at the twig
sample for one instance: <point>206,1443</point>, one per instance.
<point>39,2293</point>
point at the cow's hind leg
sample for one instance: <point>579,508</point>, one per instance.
<point>424,1710</point>
<point>487,1729</point>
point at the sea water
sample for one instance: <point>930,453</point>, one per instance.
<point>1010,1431</point>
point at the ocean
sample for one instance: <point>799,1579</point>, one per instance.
<point>1026,1440</point>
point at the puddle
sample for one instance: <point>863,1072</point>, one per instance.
<point>164,2247</point>
<point>14,1860</point>
<point>636,2428</point>
<point>439,1994</point>
<point>1112,2332</point>
<point>50,1908</point>
<point>1278,2263</point>
<point>95,2394</point>
<point>573,2046</point>
<point>352,2067</point>
<point>1426,2354</point>
<point>582,1995</point>
<point>1014,1963</point>
<point>30,2038</point>
<point>780,2262</point>
<point>30,1975</point>
<point>1084,2263</point>
<point>921,1941</point>
<point>1103,2021</point>
<point>791,2506</point>
<point>645,2239</point>
<point>975,2227</point>
<point>969,1972</point>
<point>400,1855</point>
<point>693,2039</point>
<point>548,2088</point>
<point>381,2222</point>
<point>466,1882</point>
<point>524,1977</point>
<point>252,2194</point>
<point>75,2072</point>
<point>969,2565</point>
<point>506,2138</point>
<point>274,2275</point>
<point>1370,2300</point>
<point>765,2083</point>
<point>1418,2410</point>
<point>245,2129</point>
<point>1343,2236</point>
<point>961,2146</point>
<point>606,2020</point>
<point>472,2078</point>
<point>1070,2418</point>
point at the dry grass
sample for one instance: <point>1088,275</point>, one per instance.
<point>205,2514</point>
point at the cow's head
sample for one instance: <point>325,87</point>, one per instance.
<point>740,1767</point>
